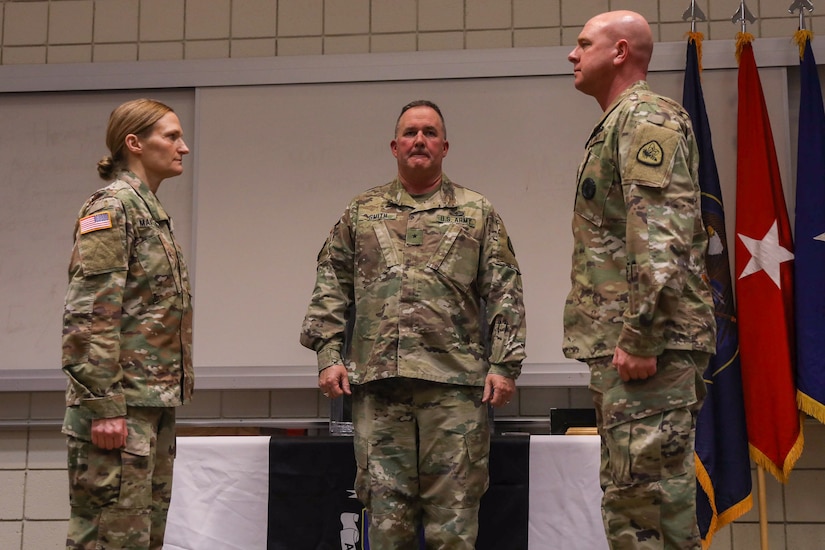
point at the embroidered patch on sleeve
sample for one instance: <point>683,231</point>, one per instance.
<point>650,153</point>
<point>95,222</point>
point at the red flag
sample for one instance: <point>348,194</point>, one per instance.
<point>764,283</point>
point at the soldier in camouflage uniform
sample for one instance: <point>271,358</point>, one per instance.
<point>640,311</point>
<point>412,261</point>
<point>127,339</point>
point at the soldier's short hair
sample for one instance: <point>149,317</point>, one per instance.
<point>421,103</point>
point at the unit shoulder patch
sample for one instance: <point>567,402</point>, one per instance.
<point>650,153</point>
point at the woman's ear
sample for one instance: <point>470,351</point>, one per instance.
<point>133,143</point>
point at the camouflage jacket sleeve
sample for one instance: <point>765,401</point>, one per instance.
<point>91,321</point>
<point>658,171</point>
<point>325,323</point>
<point>501,288</point>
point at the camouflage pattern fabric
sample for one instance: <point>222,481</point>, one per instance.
<point>416,274</point>
<point>120,498</point>
<point>440,486</point>
<point>127,347</point>
<point>437,298</point>
<point>638,277</point>
<point>647,473</point>
<point>639,283</point>
<point>127,325</point>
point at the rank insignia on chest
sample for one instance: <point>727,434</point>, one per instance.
<point>651,154</point>
<point>415,237</point>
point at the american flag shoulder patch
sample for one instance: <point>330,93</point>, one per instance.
<point>101,220</point>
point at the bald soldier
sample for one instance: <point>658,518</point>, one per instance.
<point>639,312</point>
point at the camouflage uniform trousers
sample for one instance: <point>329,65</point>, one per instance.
<point>422,450</point>
<point>120,498</point>
<point>647,430</point>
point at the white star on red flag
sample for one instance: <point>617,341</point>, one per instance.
<point>766,254</point>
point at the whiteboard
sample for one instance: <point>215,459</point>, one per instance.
<point>49,147</point>
<point>272,167</point>
<point>277,165</point>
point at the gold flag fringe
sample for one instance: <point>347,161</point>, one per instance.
<point>697,37</point>
<point>810,406</point>
<point>718,520</point>
<point>782,474</point>
<point>801,37</point>
<point>742,38</point>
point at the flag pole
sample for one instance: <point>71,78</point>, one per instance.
<point>763,507</point>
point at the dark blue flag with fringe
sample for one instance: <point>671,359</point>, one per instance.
<point>809,231</point>
<point>723,464</point>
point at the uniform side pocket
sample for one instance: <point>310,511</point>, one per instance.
<point>101,479</point>
<point>362,476</point>
<point>650,449</point>
<point>478,451</point>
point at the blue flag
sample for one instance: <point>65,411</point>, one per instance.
<point>723,463</point>
<point>809,274</point>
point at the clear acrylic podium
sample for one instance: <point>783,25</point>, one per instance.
<point>340,415</point>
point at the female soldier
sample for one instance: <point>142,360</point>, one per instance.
<point>127,338</point>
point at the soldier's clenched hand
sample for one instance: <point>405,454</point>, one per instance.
<point>334,382</point>
<point>498,390</point>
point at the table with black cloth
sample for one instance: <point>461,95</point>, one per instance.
<point>296,493</point>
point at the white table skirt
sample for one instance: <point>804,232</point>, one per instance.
<point>219,494</point>
<point>565,497</point>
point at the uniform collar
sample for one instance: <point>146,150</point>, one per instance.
<point>444,197</point>
<point>149,198</point>
<point>638,86</point>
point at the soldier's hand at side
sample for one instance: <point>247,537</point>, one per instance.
<point>109,433</point>
<point>498,390</point>
<point>334,382</point>
<point>633,367</point>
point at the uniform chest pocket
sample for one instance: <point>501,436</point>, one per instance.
<point>595,182</point>
<point>457,256</point>
<point>376,253</point>
<point>157,257</point>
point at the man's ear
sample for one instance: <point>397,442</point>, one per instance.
<point>133,143</point>
<point>622,51</point>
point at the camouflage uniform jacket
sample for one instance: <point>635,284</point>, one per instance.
<point>638,277</point>
<point>127,324</point>
<point>416,274</point>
